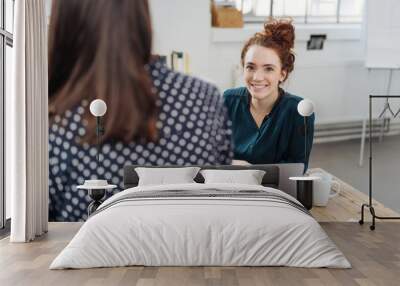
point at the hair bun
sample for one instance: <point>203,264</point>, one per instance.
<point>281,31</point>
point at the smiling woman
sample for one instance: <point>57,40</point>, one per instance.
<point>266,125</point>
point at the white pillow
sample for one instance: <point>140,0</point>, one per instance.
<point>248,177</point>
<point>164,176</point>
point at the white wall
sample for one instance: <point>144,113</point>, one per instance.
<point>182,25</point>
<point>334,78</point>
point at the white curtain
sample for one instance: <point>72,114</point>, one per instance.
<point>27,124</point>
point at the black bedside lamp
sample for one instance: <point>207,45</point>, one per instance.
<point>97,188</point>
<point>305,109</point>
<point>304,184</point>
<point>98,108</point>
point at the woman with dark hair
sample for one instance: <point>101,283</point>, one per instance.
<point>266,125</point>
<point>101,49</point>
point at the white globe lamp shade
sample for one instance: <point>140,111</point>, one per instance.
<point>305,107</point>
<point>98,107</point>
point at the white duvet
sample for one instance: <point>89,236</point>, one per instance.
<point>200,231</point>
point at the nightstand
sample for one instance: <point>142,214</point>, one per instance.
<point>304,190</point>
<point>96,190</point>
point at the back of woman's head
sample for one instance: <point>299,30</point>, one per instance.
<point>99,49</point>
<point>277,35</point>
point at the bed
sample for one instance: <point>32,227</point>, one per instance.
<point>202,224</point>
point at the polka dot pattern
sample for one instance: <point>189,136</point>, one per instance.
<point>193,129</point>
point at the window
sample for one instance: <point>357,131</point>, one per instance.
<point>303,11</point>
<point>351,11</point>
<point>6,63</point>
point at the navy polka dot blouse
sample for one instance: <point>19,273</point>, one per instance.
<point>193,129</point>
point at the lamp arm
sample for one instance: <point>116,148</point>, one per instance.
<point>98,134</point>
<point>305,140</point>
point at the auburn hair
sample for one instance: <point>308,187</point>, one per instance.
<point>278,35</point>
<point>100,49</point>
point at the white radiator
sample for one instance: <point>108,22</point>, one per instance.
<point>331,132</point>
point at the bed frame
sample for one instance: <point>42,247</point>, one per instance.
<point>276,176</point>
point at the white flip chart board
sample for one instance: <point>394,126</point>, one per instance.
<point>383,34</point>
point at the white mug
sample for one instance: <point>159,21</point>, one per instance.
<point>322,189</point>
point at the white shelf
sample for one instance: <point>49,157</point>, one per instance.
<point>335,32</point>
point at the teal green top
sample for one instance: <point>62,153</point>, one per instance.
<point>280,138</point>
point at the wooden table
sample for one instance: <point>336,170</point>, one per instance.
<point>346,206</point>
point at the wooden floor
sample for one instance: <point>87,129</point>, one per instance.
<point>374,255</point>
